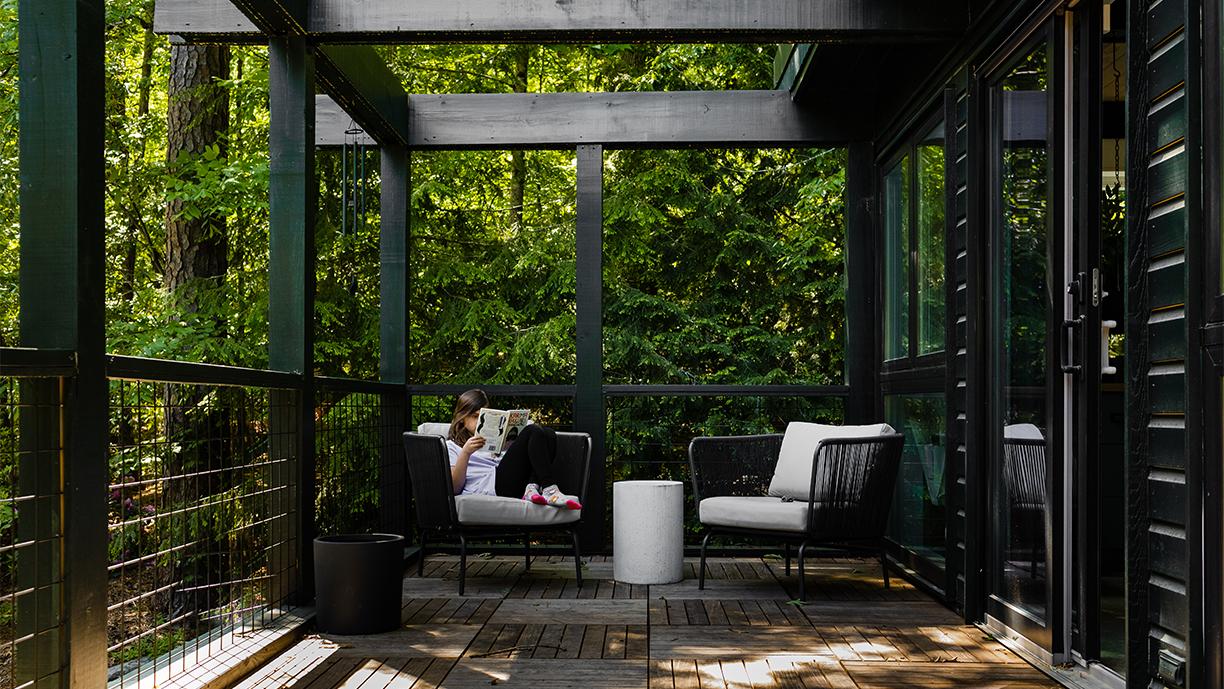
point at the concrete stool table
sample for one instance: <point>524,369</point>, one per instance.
<point>648,532</point>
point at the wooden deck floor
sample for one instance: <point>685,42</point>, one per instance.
<point>537,629</point>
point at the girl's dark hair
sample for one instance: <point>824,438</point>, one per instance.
<point>468,403</point>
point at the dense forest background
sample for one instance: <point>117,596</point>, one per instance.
<point>721,266</point>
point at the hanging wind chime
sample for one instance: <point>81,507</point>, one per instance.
<point>352,190</point>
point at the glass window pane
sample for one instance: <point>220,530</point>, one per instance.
<point>917,520</point>
<point>896,261</point>
<point>931,295</point>
<point>1024,305</point>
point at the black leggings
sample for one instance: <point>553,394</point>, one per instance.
<point>529,458</point>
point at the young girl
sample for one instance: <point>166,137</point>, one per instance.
<point>523,468</point>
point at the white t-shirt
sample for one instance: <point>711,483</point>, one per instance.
<point>481,471</point>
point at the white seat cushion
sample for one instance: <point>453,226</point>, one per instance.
<point>494,510</point>
<point>431,428</point>
<point>793,473</point>
<point>761,512</point>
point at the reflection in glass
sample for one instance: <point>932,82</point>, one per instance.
<point>896,261</point>
<point>931,296</point>
<point>1024,310</point>
<point>917,520</point>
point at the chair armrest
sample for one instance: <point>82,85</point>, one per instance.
<point>429,473</point>
<point>574,462</point>
<point>733,464</point>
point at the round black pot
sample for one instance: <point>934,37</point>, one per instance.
<point>358,583</point>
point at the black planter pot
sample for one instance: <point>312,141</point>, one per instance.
<point>358,583</point>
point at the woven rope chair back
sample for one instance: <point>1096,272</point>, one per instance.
<point>1024,471</point>
<point>853,485</point>
<point>429,471</point>
<point>733,465</point>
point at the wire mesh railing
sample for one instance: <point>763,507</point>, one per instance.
<point>203,525</point>
<point>361,480</point>
<point>31,544</point>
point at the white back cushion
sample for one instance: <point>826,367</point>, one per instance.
<point>1022,431</point>
<point>793,474</point>
<point>429,428</point>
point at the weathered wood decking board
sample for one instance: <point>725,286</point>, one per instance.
<point>537,629</point>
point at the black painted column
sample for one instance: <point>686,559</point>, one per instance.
<point>393,332</point>
<point>862,314</point>
<point>291,279</point>
<point>588,398</point>
<point>62,288</point>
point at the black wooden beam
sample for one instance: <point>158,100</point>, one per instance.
<point>862,288</point>
<point>62,289</point>
<point>549,21</point>
<point>613,120</point>
<point>589,413</point>
<point>360,83</point>
<point>274,17</point>
<point>393,270</point>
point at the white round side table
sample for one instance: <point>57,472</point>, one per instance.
<point>648,532</point>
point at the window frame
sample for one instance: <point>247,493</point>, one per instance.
<point>929,365</point>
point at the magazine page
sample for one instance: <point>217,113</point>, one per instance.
<point>491,425</point>
<point>500,428</point>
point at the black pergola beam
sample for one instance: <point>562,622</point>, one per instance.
<point>613,120</point>
<point>549,21</point>
<point>361,84</point>
<point>274,17</point>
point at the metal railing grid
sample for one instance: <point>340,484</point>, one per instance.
<point>361,480</point>
<point>202,520</point>
<point>31,545</point>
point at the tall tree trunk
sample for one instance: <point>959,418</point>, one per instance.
<point>518,163</point>
<point>196,254</point>
<point>198,117</point>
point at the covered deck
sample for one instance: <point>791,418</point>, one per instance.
<point>516,628</point>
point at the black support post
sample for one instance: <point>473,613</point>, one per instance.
<point>291,279</point>
<point>862,288</point>
<point>393,333</point>
<point>62,288</point>
<point>393,273</point>
<point>588,396</point>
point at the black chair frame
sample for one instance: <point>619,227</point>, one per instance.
<point>438,518</point>
<point>854,477</point>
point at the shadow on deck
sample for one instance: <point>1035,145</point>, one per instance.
<point>537,629</point>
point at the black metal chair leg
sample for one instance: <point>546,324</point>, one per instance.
<point>577,557</point>
<point>884,566</point>
<point>802,589</point>
<point>786,549</point>
<point>421,557</point>
<point>527,549</point>
<point>462,562</point>
<point>701,567</point>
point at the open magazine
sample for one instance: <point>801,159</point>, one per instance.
<point>500,428</point>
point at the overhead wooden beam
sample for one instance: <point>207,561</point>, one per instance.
<point>274,17</point>
<point>553,21</point>
<point>360,82</point>
<point>614,120</point>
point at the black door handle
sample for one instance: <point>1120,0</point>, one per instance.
<point>1072,328</point>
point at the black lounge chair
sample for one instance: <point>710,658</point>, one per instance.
<point>442,515</point>
<point>845,504</point>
